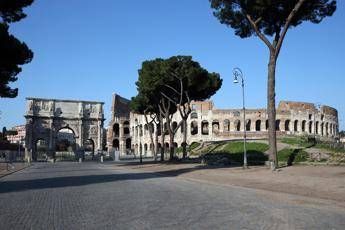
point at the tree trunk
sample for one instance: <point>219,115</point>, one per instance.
<point>171,146</point>
<point>162,138</point>
<point>184,142</point>
<point>271,110</point>
<point>156,143</point>
<point>150,133</point>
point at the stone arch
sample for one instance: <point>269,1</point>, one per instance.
<point>215,127</point>
<point>116,130</point>
<point>194,115</point>
<point>295,126</point>
<point>128,144</point>
<point>116,144</point>
<point>326,129</point>
<point>248,124</point>
<point>89,146</point>
<point>287,125</point>
<point>226,125</point>
<point>278,125</point>
<point>258,125</point>
<point>317,127</point>
<point>194,128</point>
<point>65,140</point>
<point>237,125</point>
<point>41,149</point>
<point>204,127</point>
<point>304,125</point>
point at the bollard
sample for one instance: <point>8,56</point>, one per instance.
<point>101,159</point>
<point>80,160</point>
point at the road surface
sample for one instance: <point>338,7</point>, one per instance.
<point>104,196</point>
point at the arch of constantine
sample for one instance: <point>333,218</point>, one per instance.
<point>128,132</point>
<point>46,117</point>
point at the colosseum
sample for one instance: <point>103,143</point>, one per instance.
<point>128,132</point>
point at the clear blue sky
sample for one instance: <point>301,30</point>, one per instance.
<point>90,49</point>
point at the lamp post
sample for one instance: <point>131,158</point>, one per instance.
<point>238,74</point>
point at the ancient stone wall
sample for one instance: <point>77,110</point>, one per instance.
<point>206,123</point>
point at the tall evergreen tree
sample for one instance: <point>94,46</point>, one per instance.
<point>265,19</point>
<point>13,53</point>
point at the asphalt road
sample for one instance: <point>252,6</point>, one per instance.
<point>95,196</point>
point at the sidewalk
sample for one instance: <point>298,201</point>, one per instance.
<point>323,182</point>
<point>11,168</point>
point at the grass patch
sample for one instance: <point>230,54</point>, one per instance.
<point>233,152</point>
<point>299,141</point>
<point>292,155</point>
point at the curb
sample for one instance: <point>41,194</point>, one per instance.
<point>27,166</point>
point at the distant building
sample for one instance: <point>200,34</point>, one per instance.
<point>19,137</point>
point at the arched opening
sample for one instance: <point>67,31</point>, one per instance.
<point>204,128</point>
<point>258,125</point>
<point>116,130</point>
<point>89,147</point>
<point>41,150</point>
<point>310,126</point>
<point>226,125</point>
<point>215,127</point>
<point>238,125</point>
<point>248,124</point>
<point>277,125</point>
<point>287,125</point>
<point>128,145</point>
<point>126,131</point>
<point>317,127</point>
<point>267,125</point>
<point>327,129</point>
<point>141,130</point>
<point>303,125</point>
<point>65,140</point>
<point>322,125</point>
<point>194,115</point>
<point>65,144</point>
<point>116,144</point>
<point>126,123</point>
<point>193,128</point>
<point>295,126</point>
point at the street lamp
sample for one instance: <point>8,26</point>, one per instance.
<point>238,74</point>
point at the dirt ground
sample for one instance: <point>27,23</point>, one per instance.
<point>322,182</point>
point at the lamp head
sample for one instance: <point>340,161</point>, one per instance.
<point>235,79</point>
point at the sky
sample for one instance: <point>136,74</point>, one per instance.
<point>88,50</point>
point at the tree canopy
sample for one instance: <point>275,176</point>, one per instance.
<point>13,52</point>
<point>271,15</point>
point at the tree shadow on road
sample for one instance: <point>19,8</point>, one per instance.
<point>74,181</point>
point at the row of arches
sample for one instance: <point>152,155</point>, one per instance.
<point>296,126</point>
<point>116,129</point>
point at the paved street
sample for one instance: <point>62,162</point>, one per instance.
<point>95,196</point>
